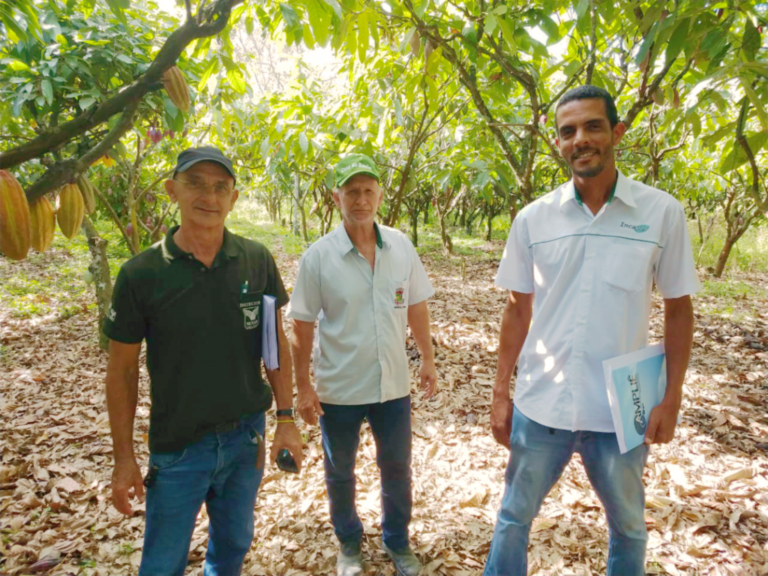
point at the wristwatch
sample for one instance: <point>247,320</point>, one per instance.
<point>285,412</point>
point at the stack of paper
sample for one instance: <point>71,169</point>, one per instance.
<point>636,385</point>
<point>269,351</point>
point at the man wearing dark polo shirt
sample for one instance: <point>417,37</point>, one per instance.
<point>195,297</point>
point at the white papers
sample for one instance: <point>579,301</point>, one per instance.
<point>269,350</point>
<point>636,385</point>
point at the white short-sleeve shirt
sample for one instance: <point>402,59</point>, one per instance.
<point>359,352</point>
<point>592,278</point>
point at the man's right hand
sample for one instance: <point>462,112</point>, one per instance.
<point>308,405</point>
<point>501,419</point>
<point>126,482</point>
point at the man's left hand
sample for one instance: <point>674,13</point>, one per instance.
<point>428,378</point>
<point>662,423</point>
<point>288,436</point>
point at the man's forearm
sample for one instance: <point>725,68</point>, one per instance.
<point>281,380</point>
<point>514,329</point>
<point>418,320</point>
<point>678,337</point>
<point>122,398</point>
<point>301,350</point>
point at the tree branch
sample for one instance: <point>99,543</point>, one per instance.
<point>213,20</point>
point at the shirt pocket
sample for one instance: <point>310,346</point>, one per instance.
<point>399,294</point>
<point>627,267</point>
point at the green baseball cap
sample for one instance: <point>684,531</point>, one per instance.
<point>355,164</point>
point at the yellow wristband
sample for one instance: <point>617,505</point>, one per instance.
<point>291,421</point>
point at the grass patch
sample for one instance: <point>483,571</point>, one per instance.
<point>250,220</point>
<point>749,254</point>
<point>733,299</point>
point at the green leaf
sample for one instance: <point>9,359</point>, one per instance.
<point>86,102</point>
<point>677,40</point>
<point>581,7</point>
<point>752,41</point>
<point>303,142</point>
<point>207,74</point>
<point>756,102</point>
<point>643,52</point>
<point>362,36</point>
<point>19,66</point>
<point>47,89</point>
<point>351,40</point>
<point>420,7</point>
<point>236,80</point>
<point>508,31</point>
<point>289,15</point>
<point>124,58</point>
<point>550,28</point>
<point>469,33</point>
<point>117,7</point>
<point>737,156</point>
<point>491,24</point>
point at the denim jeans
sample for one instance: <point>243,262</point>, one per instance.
<point>539,455</point>
<point>219,470</point>
<point>391,426</point>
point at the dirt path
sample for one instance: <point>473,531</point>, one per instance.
<point>707,491</point>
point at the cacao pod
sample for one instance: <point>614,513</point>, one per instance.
<point>88,190</point>
<point>176,86</point>
<point>15,222</point>
<point>71,210</point>
<point>43,224</point>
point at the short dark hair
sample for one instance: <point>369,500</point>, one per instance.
<point>588,91</point>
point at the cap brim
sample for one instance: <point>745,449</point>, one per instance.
<point>349,176</point>
<point>187,165</point>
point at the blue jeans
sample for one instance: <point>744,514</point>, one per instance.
<point>539,455</point>
<point>391,426</point>
<point>219,470</point>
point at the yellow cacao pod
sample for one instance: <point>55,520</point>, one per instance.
<point>43,224</point>
<point>71,210</point>
<point>15,223</point>
<point>87,189</point>
<point>176,86</point>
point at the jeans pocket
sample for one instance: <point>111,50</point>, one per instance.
<point>163,460</point>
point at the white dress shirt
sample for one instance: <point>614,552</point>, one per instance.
<point>359,352</point>
<point>592,278</point>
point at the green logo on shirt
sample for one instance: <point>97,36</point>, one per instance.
<point>250,314</point>
<point>639,228</point>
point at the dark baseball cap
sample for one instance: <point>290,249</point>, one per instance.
<point>192,156</point>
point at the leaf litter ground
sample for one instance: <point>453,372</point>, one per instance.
<point>707,509</point>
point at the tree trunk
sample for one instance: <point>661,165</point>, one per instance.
<point>102,280</point>
<point>722,259</point>
<point>445,237</point>
<point>426,215</point>
<point>734,233</point>
<point>415,226</point>
<point>490,217</point>
<point>295,220</point>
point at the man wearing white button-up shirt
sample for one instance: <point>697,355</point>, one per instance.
<point>580,264</point>
<point>366,284</point>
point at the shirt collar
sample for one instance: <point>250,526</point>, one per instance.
<point>171,250</point>
<point>621,190</point>
<point>345,245</point>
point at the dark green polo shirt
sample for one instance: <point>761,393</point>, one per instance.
<point>203,334</point>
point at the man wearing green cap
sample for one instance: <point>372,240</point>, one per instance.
<point>366,283</point>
